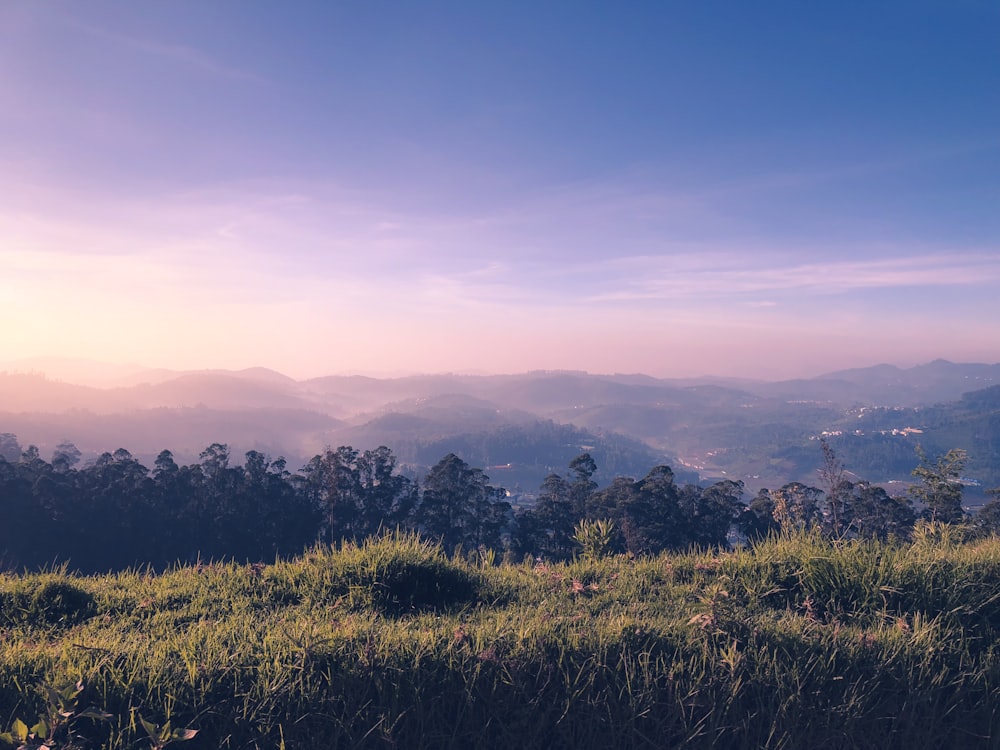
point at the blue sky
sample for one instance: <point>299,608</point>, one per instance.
<point>770,189</point>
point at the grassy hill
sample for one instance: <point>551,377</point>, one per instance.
<point>795,643</point>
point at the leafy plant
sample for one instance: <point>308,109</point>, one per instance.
<point>56,727</point>
<point>161,736</point>
<point>595,538</point>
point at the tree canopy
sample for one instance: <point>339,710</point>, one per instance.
<point>115,512</point>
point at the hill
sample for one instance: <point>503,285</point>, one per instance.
<point>796,642</point>
<point>764,434</point>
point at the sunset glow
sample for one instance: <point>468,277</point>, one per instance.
<point>328,188</point>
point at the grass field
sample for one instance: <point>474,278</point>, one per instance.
<point>797,642</point>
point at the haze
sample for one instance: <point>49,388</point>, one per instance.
<point>669,188</point>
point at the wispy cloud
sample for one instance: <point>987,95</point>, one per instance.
<point>688,276</point>
<point>194,60</point>
<point>274,242</point>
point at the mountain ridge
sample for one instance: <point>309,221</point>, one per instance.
<point>756,431</point>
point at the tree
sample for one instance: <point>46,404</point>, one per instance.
<point>796,506</point>
<point>548,528</point>
<point>756,521</point>
<point>214,459</point>
<point>333,483</point>
<point>877,515</point>
<point>654,518</point>
<point>717,508</point>
<point>65,456</point>
<point>836,512</point>
<point>30,455</point>
<point>273,517</point>
<point>614,503</point>
<point>387,498</point>
<point>25,520</point>
<point>939,489</point>
<point>109,531</point>
<point>10,449</point>
<point>583,467</point>
<point>174,498</point>
<point>164,464</point>
<point>988,517</point>
<point>647,512</point>
<point>459,507</point>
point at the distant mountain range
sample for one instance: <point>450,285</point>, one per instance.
<point>525,425</point>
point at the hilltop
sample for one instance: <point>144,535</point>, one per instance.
<point>761,433</point>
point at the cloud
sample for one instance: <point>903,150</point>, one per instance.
<point>183,56</point>
<point>331,250</point>
<point>688,276</point>
<point>686,280</point>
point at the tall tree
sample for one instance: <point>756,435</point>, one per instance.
<point>547,528</point>
<point>109,530</point>
<point>10,449</point>
<point>653,519</point>
<point>387,498</point>
<point>25,519</point>
<point>333,482</point>
<point>65,456</point>
<point>459,507</point>
<point>757,520</point>
<point>796,506</point>
<point>717,508</point>
<point>274,517</point>
<point>647,512</point>
<point>582,488</point>
<point>876,515</point>
<point>939,486</point>
<point>836,511</point>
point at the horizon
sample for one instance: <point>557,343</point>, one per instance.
<point>769,193</point>
<point>101,374</point>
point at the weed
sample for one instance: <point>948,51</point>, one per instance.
<point>595,538</point>
<point>57,727</point>
<point>161,736</point>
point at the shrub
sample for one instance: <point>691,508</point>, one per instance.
<point>44,600</point>
<point>396,574</point>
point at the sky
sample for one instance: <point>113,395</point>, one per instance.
<point>771,189</point>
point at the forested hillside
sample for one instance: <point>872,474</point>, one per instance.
<point>522,427</point>
<point>116,513</point>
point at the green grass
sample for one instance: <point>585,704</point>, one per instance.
<point>796,642</point>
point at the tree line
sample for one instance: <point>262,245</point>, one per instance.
<point>117,513</point>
